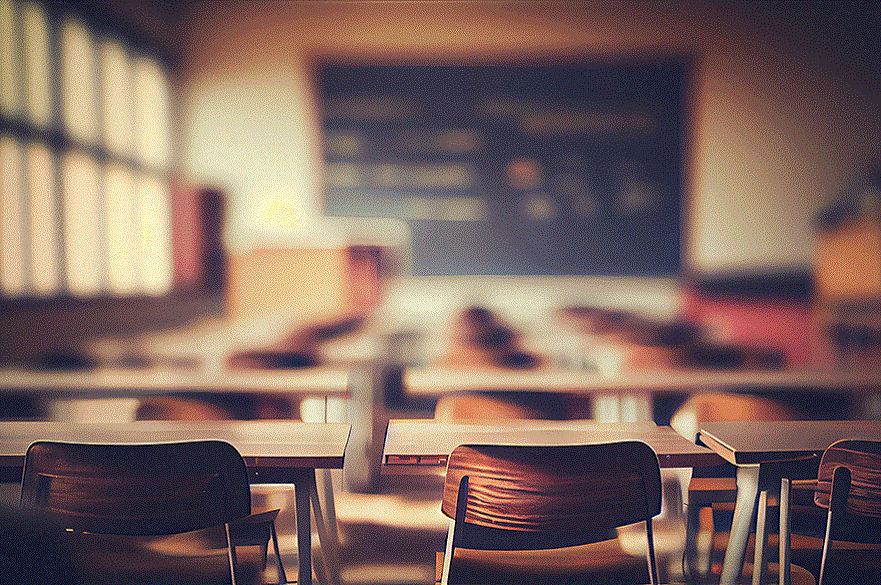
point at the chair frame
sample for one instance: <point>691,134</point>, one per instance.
<point>159,489</point>
<point>858,508</point>
<point>529,533</point>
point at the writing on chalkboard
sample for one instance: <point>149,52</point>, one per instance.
<point>566,168</point>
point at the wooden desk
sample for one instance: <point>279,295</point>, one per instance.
<point>420,447</point>
<point>274,452</point>
<point>628,395</point>
<point>748,444</point>
<point>436,381</point>
<point>121,383</point>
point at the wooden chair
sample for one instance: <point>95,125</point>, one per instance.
<point>516,498</point>
<point>849,486</point>
<point>120,491</point>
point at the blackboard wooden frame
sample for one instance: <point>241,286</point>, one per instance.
<point>550,168</point>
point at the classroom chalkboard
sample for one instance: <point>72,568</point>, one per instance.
<point>538,169</point>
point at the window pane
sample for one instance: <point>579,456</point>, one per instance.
<point>155,249</point>
<point>43,218</point>
<point>78,80</point>
<point>80,215</point>
<point>12,266</point>
<point>122,241</point>
<point>38,72</point>
<point>152,112</point>
<point>117,95</point>
<point>10,90</point>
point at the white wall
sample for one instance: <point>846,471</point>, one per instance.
<point>777,127</point>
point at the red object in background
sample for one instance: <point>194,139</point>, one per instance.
<point>366,271</point>
<point>783,325</point>
<point>186,233</point>
<point>198,218</point>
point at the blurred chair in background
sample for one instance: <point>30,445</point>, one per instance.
<point>480,408</point>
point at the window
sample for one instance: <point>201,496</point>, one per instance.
<point>85,157</point>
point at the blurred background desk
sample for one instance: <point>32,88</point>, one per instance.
<point>57,387</point>
<point>117,382</point>
<point>628,395</point>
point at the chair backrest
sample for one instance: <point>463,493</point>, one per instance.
<point>849,485</point>
<point>476,408</point>
<point>723,407</point>
<point>535,497</point>
<point>136,489</point>
<point>863,460</point>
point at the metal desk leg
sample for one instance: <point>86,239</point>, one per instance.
<point>327,530</point>
<point>785,535</point>
<point>304,485</point>
<point>698,552</point>
<point>760,562</point>
<point>747,489</point>
<point>692,528</point>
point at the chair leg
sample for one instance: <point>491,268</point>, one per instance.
<point>448,554</point>
<point>282,577</point>
<point>650,552</point>
<point>826,540</point>
<point>231,554</point>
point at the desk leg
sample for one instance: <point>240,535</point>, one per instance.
<point>747,489</point>
<point>692,530</point>
<point>785,535</point>
<point>760,562</point>
<point>304,485</point>
<point>327,529</point>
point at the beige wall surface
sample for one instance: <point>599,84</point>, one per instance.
<point>778,126</point>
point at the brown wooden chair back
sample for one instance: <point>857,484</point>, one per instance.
<point>849,485</point>
<point>138,489</point>
<point>142,489</point>
<point>477,408</point>
<point>724,406</point>
<point>541,497</point>
<point>863,460</point>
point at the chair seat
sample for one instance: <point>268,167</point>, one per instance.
<point>602,557</point>
<point>174,560</point>
<point>252,530</point>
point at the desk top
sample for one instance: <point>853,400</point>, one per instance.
<point>106,382</point>
<point>750,443</point>
<point>415,444</point>
<point>263,444</point>
<point>434,381</point>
